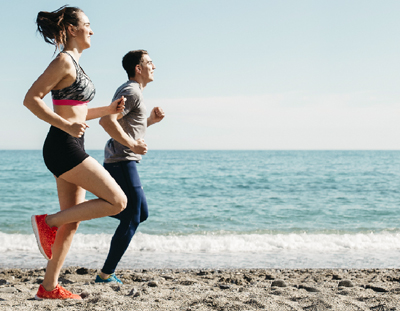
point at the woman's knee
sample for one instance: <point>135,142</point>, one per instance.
<point>119,203</point>
<point>72,227</point>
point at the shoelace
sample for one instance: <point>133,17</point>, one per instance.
<point>63,291</point>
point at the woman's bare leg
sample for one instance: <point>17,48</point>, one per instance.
<point>91,176</point>
<point>69,195</point>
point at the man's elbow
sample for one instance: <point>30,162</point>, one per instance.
<point>101,121</point>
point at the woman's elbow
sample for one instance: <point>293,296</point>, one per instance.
<point>28,101</point>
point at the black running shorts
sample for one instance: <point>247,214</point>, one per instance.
<point>62,152</point>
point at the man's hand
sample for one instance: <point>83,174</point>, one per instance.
<point>156,115</point>
<point>140,147</point>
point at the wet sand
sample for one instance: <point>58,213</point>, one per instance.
<point>230,290</point>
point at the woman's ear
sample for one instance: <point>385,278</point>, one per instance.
<point>72,30</point>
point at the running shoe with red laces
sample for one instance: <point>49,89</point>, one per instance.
<point>57,293</point>
<point>45,235</point>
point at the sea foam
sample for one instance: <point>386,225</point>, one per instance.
<point>222,243</point>
<point>374,250</point>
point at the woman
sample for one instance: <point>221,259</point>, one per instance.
<point>63,151</point>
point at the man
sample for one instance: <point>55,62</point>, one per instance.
<point>127,130</point>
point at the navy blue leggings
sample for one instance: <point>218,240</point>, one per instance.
<point>126,175</point>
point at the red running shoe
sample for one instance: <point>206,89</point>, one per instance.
<point>45,235</point>
<point>57,293</point>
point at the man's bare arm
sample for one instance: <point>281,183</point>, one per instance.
<point>114,129</point>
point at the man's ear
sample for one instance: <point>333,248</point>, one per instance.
<point>138,69</point>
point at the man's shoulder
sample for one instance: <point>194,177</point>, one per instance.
<point>133,95</point>
<point>129,88</point>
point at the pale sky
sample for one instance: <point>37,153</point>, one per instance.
<point>252,74</point>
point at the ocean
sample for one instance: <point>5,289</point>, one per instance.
<point>226,209</point>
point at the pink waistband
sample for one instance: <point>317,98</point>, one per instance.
<point>68,102</point>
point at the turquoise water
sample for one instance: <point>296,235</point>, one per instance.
<point>219,202</point>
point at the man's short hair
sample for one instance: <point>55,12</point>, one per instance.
<point>131,59</point>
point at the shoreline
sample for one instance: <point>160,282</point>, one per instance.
<point>210,289</point>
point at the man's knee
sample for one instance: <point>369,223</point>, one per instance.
<point>143,216</point>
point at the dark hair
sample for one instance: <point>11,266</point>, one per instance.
<point>131,59</point>
<point>53,25</point>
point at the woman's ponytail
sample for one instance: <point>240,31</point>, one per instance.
<point>53,25</point>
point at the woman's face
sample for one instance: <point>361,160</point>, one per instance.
<point>83,31</point>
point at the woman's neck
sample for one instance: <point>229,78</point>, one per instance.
<point>74,51</point>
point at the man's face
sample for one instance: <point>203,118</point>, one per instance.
<point>147,68</point>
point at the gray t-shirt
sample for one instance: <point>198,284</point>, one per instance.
<point>133,122</point>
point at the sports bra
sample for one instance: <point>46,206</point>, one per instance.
<point>80,92</point>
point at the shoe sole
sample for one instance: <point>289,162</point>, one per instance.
<point>36,232</point>
<point>105,282</point>
<point>40,299</point>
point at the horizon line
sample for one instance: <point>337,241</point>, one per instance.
<point>89,149</point>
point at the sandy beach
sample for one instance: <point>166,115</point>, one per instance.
<point>189,290</point>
